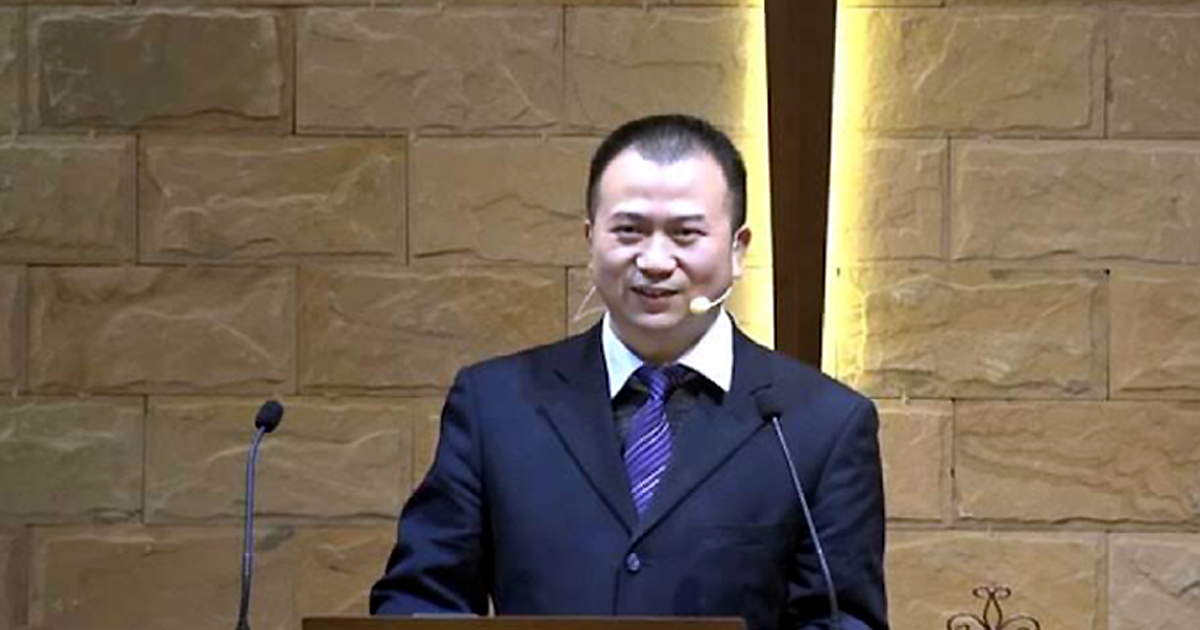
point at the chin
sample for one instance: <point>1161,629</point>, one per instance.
<point>656,324</point>
<point>661,322</point>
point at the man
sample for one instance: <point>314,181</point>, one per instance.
<point>634,469</point>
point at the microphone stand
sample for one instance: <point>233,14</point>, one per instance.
<point>268,418</point>
<point>243,622</point>
<point>769,409</point>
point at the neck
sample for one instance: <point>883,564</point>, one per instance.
<point>662,348</point>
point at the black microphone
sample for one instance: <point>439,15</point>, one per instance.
<point>269,415</point>
<point>268,418</point>
<point>769,409</point>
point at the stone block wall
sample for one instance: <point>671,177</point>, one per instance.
<point>205,203</point>
<point>1018,287</point>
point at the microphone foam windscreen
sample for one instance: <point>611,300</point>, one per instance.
<point>768,405</point>
<point>269,416</point>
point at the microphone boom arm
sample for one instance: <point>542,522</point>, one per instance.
<point>834,611</point>
<point>243,622</point>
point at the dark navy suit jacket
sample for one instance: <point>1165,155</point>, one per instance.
<point>527,501</point>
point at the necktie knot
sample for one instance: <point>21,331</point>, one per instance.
<point>660,380</point>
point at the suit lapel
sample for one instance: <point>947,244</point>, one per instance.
<point>579,409</point>
<point>705,443</point>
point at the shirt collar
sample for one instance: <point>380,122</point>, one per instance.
<point>711,356</point>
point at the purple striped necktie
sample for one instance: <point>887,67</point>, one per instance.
<point>648,446</point>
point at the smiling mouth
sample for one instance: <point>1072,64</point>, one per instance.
<point>652,292</point>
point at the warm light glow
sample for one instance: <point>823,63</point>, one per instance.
<point>846,167</point>
<point>753,301</point>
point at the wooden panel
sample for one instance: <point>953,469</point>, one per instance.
<point>800,48</point>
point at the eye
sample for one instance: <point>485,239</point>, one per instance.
<point>688,233</point>
<point>630,227</point>
<point>626,232</point>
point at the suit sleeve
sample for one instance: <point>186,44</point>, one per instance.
<point>441,560</point>
<point>848,511</point>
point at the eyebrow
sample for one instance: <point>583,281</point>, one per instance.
<point>631,215</point>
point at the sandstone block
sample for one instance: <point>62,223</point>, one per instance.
<point>1027,200</point>
<point>162,330</point>
<point>12,325</point>
<point>584,306</point>
<point>1155,334</point>
<point>626,63</point>
<point>976,72</point>
<point>109,3</point>
<point>338,567</point>
<point>430,68</point>
<point>1155,72</point>
<point>1054,577</point>
<point>1119,461</point>
<point>752,3</point>
<point>159,578</point>
<point>453,3</point>
<point>68,200</point>
<point>892,201</point>
<point>525,202</point>
<point>70,459</point>
<point>172,68</point>
<point>330,459</point>
<point>410,330</point>
<point>427,417</point>
<point>14,567</point>
<point>272,199</point>
<point>914,440</point>
<point>10,69</point>
<point>893,3</point>
<point>1008,4</point>
<point>1152,581</point>
<point>973,333</point>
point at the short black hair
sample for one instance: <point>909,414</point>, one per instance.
<point>666,139</point>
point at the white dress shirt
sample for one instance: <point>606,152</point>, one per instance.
<point>711,356</point>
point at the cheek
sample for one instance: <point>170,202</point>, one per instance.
<point>611,260</point>
<point>606,273</point>
<point>709,265</point>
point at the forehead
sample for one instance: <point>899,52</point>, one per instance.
<point>631,180</point>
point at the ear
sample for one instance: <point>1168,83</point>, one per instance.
<point>741,242</point>
<point>587,235</point>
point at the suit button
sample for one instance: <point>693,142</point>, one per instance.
<point>633,563</point>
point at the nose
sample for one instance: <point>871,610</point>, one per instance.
<point>657,259</point>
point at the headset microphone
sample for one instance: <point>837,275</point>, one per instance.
<point>701,304</point>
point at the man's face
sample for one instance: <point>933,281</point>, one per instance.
<point>662,236</point>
